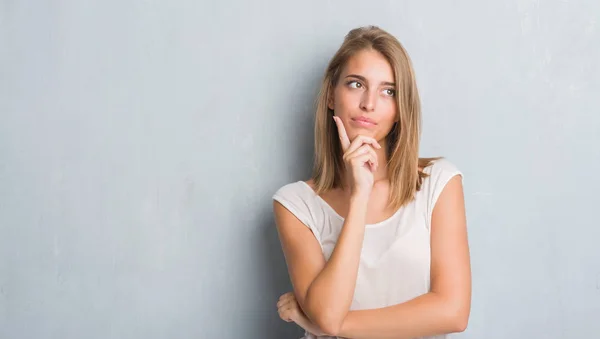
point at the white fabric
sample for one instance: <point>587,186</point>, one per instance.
<point>395,258</point>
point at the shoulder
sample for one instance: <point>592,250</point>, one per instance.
<point>298,198</point>
<point>289,190</point>
<point>441,167</point>
<point>310,183</point>
<point>440,172</point>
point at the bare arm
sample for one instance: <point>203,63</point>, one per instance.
<point>324,290</point>
<point>446,308</point>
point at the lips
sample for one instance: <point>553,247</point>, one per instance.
<point>364,120</point>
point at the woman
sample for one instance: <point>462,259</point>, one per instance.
<point>376,242</point>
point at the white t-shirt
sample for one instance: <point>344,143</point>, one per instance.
<point>396,256</point>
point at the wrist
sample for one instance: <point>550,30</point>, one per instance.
<point>358,207</point>
<point>359,198</point>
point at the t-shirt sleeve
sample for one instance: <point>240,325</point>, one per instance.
<point>441,171</point>
<point>291,198</point>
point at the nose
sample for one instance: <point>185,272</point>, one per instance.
<point>368,100</point>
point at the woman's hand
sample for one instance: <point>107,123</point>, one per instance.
<point>360,160</point>
<point>289,310</point>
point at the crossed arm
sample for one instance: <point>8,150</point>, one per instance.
<point>324,289</point>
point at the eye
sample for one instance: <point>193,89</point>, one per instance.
<point>390,92</point>
<point>354,84</point>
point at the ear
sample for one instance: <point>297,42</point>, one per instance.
<point>330,102</point>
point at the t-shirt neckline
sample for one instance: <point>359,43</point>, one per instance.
<point>338,216</point>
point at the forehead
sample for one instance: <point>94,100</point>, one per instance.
<point>370,64</point>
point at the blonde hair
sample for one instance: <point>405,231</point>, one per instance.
<point>404,164</point>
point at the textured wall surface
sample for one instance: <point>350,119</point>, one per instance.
<point>141,141</point>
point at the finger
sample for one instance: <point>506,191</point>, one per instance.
<point>289,295</point>
<point>361,140</point>
<point>342,133</point>
<point>362,159</point>
<point>373,163</point>
<point>282,308</point>
<point>365,149</point>
<point>372,166</point>
<point>286,295</point>
<point>283,301</point>
<point>286,303</point>
<point>286,313</point>
<point>285,316</point>
<point>371,158</point>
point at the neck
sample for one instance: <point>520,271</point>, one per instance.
<point>382,171</point>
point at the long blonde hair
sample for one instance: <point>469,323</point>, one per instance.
<point>404,164</point>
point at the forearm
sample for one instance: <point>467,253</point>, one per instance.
<point>329,297</point>
<point>426,315</point>
<point>309,326</point>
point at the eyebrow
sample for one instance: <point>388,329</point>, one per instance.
<point>386,83</point>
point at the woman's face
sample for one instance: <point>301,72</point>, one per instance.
<point>364,97</point>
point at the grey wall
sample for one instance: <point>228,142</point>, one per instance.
<point>141,141</point>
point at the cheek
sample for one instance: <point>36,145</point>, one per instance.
<point>388,109</point>
<point>342,104</point>
<point>389,113</point>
